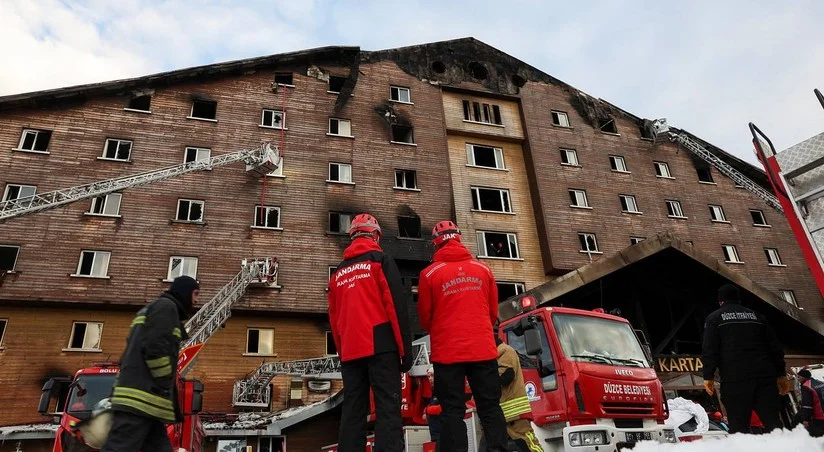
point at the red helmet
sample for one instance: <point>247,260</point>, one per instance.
<point>445,231</point>
<point>364,224</point>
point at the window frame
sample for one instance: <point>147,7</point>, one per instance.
<point>680,209</point>
<point>782,293</point>
<point>520,287</point>
<point>773,257</point>
<point>479,112</point>
<point>288,85</point>
<point>91,275</point>
<point>709,174</point>
<point>497,153</point>
<point>613,159</point>
<point>278,173</point>
<point>329,338</point>
<point>191,202</point>
<point>19,186</point>
<point>5,322</point>
<point>199,118</point>
<point>403,173</point>
<point>16,258</point>
<point>339,166</point>
<point>719,209</point>
<point>725,249</point>
<point>105,202</point>
<point>634,240</point>
<point>198,151</point>
<point>37,133</point>
<point>183,259</point>
<point>574,153</point>
<point>763,217</point>
<point>420,227</point>
<point>503,193</point>
<point>128,106</point>
<point>258,353</point>
<point>274,112</point>
<point>624,200</point>
<point>594,236</point>
<point>329,128</point>
<point>255,224</point>
<point>558,113</point>
<point>660,174</point>
<point>119,141</point>
<point>510,237</point>
<point>576,191</point>
<point>398,89</point>
<point>329,222</point>
<point>329,83</point>
<point>69,347</point>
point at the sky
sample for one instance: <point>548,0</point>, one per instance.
<point>709,67</point>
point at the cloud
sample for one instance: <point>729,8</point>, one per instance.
<point>708,66</point>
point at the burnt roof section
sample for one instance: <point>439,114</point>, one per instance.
<point>446,63</point>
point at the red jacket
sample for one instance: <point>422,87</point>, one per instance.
<point>367,305</point>
<point>457,305</point>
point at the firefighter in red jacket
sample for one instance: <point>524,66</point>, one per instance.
<point>370,326</point>
<point>457,305</point>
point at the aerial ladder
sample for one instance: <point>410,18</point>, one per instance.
<point>797,178</point>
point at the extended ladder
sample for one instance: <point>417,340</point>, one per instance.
<point>254,391</point>
<point>660,126</point>
<point>263,159</point>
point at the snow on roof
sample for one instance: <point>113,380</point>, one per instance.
<point>785,440</point>
<point>11,431</point>
<point>245,421</point>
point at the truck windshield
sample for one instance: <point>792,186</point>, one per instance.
<point>597,340</point>
<point>87,390</point>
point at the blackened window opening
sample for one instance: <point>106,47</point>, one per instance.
<point>142,103</point>
<point>336,83</point>
<point>204,109</point>
<point>409,227</point>
<point>403,134</point>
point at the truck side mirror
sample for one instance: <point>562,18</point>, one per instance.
<point>532,342</point>
<point>45,398</point>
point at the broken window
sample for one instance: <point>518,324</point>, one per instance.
<point>204,109</point>
<point>478,70</point>
<point>284,78</point>
<point>339,222</point>
<point>272,444</point>
<point>497,244</point>
<point>94,264</point>
<point>480,112</point>
<point>731,254</point>
<point>578,198</point>
<point>117,150</point>
<point>340,172</point>
<point>19,192</point>
<point>787,295</point>
<point>406,179</point>
<point>279,171</point>
<point>491,200</point>
<point>409,227</point>
<point>705,175</point>
<point>773,259</point>
<point>496,115</point>
<point>589,243</point>
<point>197,155</point>
<point>399,94</point>
<point>85,336</point>
<point>647,133</point>
<point>106,205</point>
<point>8,257</point>
<point>336,83</point>
<point>402,134</point>
<point>260,341</point>
<point>569,157</point>
<point>189,210</point>
<point>331,349</point>
<point>332,271</point>
<point>140,103</point>
<point>607,126</point>
<point>484,156</point>
<point>674,209</point>
<point>275,119</point>
<point>267,217</point>
<point>34,140</point>
<point>181,266</point>
<point>717,214</point>
<point>560,118</point>
<point>758,218</point>
<point>662,170</point>
<point>618,164</point>
<point>340,127</point>
<point>3,323</point>
<point>509,289</point>
<point>628,204</point>
<point>636,240</point>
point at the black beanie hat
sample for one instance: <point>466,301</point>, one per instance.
<point>182,288</point>
<point>729,293</point>
<point>804,373</point>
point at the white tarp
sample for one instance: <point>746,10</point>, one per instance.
<point>682,410</point>
<point>797,440</point>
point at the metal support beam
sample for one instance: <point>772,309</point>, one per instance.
<point>676,328</point>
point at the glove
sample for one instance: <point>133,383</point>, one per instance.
<point>709,386</point>
<point>434,410</point>
<point>406,361</point>
<point>785,385</point>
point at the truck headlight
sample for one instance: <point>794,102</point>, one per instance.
<point>595,438</point>
<point>669,436</point>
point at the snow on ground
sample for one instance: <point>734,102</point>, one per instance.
<point>797,440</point>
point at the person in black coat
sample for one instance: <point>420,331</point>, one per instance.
<point>740,344</point>
<point>144,398</point>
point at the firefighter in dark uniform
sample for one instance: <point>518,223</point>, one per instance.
<point>742,346</point>
<point>144,398</point>
<point>370,326</point>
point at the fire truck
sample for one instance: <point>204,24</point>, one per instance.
<point>76,400</point>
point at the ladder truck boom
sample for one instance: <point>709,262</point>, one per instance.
<point>262,159</point>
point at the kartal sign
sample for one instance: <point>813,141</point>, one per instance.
<point>679,364</point>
